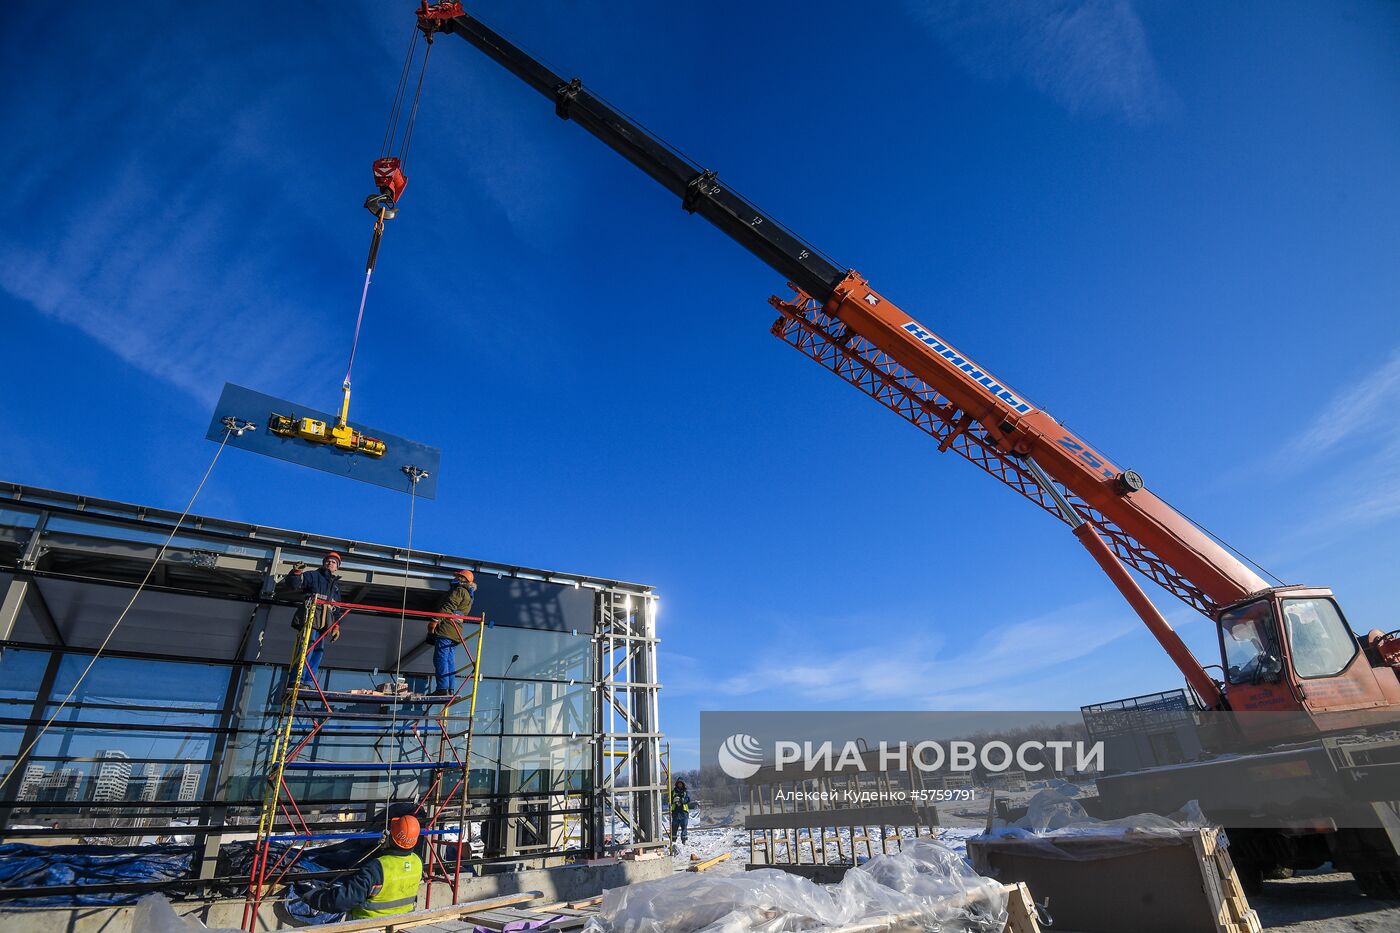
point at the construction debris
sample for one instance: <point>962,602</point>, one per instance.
<point>709,862</point>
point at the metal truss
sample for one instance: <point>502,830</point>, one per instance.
<point>626,737</point>
<point>824,338</point>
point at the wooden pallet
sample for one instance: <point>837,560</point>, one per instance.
<point>1222,883</point>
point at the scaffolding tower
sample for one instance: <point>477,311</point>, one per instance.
<point>438,749</point>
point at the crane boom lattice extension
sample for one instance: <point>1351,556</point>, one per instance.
<point>823,338</point>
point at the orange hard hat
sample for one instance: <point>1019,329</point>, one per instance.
<point>466,575</point>
<point>404,830</point>
<point>330,555</point>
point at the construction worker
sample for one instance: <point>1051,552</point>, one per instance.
<point>383,886</point>
<point>322,582</point>
<point>680,811</point>
<point>445,634</point>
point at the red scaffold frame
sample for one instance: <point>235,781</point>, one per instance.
<point>410,713</point>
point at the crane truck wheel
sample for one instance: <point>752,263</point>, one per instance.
<point>1251,875</point>
<point>1383,885</point>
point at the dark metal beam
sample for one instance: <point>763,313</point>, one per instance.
<point>700,191</point>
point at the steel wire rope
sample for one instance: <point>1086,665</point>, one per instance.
<point>390,132</point>
<point>413,109</point>
<point>391,129</point>
<point>398,656</point>
<point>155,561</point>
<point>1222,542</point>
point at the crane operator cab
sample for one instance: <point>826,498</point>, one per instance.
<point>1291,650</point>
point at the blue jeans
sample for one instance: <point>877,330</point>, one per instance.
<point>680,821</point>
<point>445,662</point>
<point>313,660</point>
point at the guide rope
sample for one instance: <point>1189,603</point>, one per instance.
<point>398,655</point>
<point>229,430</point>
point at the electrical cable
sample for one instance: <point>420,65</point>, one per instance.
<point>228,432</point>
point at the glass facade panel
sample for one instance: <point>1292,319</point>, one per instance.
<point>17,518</point>
<point>531,653</point>
<point>539,764</point>
<point>143,683</point>
<point>21,672</point>
<point>531,707</point>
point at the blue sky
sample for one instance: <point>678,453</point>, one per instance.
<point>1174,226</point>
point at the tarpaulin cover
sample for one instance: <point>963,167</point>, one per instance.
<point>926,885</point>
<point>237,860</point>
<point>387,471</point>
<point>29,866</point>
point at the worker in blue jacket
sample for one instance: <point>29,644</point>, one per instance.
<point>322,582</point>
<point>385,885</point>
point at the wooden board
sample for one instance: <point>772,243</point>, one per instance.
<point>1021,916</point>
<point>423,917</point>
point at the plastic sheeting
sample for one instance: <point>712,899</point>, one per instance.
<point>925,886</point>
<point>1053,816</point>
<point>30,866</point>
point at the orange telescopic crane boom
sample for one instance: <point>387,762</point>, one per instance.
<point>837,319</point>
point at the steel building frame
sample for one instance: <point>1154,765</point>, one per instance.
<point>102,545</point>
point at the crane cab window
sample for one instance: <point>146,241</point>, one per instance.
<point>1251,648</point>
<point>1318,639</point>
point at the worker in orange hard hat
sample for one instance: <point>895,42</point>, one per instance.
<point>385,885</point>
<point>324,583</point>
<point>445,631</point>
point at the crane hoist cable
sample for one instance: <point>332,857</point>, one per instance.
<point>389,181</point>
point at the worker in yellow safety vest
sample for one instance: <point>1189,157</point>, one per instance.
<point>383,886</point>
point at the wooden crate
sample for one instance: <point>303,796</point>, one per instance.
<point>1108,885</point>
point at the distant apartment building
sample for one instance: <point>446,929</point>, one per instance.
<point>150,783</point>
<point>33,778</point>
<point>113,777</point>
<point>190,777</point>
<point>59,786</point>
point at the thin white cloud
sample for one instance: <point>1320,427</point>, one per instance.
<point>1091,57</point>
<point>1367,404</point>
<point>920,671</point>
<point>151,245</point>
<point>1357,429</point>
